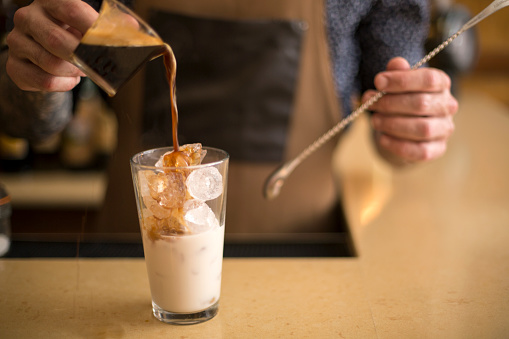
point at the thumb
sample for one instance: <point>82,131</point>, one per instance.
<point>382,79</point>
<point>398,64</point>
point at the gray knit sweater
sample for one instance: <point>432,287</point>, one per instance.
<point>365,34</point>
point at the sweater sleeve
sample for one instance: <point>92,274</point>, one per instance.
<point>392,28</point>
<point>365,34</point>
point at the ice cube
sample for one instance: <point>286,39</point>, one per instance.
<point>205,183</point>
<point>199,216</point>
<point>168,189</point>
<point>173,225</point>
<point>149,201</point>
<point>176,159</point>
<point>160,162</point>
<point>173,159</point>
<point>188,155</point>
<point>157,210</point>
<point>195,152</point>
<point>143,182</point>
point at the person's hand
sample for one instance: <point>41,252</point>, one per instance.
<point>414,120</point>
<point>44,36</point>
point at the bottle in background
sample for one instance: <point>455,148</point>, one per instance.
<point>5,221</point>
<point>77,150</point>
<point>14,154</point>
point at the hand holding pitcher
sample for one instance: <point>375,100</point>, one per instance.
<point>44,36</point>
<point>55,42</point>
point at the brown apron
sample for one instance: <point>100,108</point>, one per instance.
<point>307,201</point>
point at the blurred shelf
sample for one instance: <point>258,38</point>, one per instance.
<point>55,189</point>
<point>69,245</point>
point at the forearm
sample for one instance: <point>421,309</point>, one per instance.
<point>31,115</point>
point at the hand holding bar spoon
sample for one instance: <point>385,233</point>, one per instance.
<point>276,180</point>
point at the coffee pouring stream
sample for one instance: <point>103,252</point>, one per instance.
<point>117,46</point>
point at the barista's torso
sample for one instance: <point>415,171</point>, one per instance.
<point>253,78</point>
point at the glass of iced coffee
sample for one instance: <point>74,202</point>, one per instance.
<point>181,200</point>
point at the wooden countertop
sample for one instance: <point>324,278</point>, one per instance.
<point>433,240</point>
<point>104,298</point>
<point>433,244</point>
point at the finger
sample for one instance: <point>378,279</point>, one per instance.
<point>414,128</point>
<point>22,47</point>
<point>398,64</point>
<point>29,77</point>
<point>422,104</point>
<point>36,25</point>
<point>74,13</point>
<point>75,32</point>
<point>419,80</point>
<point>50,28</point>
<point>411,151</point>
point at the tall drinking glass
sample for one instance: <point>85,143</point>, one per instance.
<point>182,214</point>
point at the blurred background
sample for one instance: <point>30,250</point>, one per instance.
<point>490,73</point>
<point>57,184</point>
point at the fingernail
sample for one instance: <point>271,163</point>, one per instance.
<point>381,82</point>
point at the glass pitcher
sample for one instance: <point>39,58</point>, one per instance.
<point>117,45</point>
